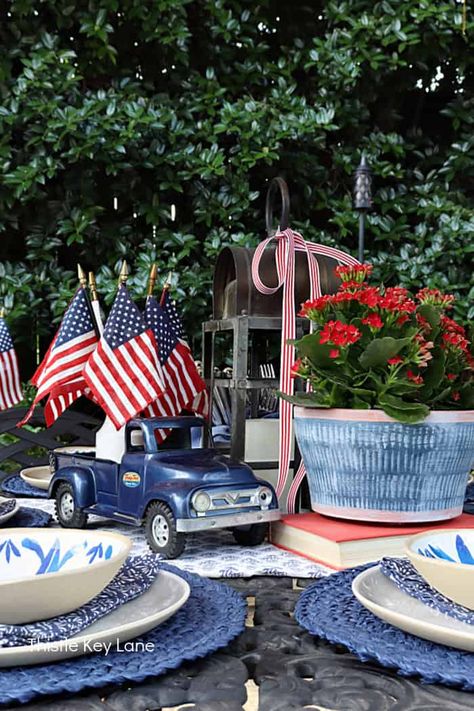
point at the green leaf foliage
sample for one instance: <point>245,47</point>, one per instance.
<point>380,350</point>
<point>407,412</point>
<point>305,400</point>
<point>148,129</point>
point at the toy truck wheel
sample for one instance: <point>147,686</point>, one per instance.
<point>161,533</point>
<point>67,513</point>
<point>251,535</point>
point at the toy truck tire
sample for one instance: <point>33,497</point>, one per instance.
<point>67,513</point>
<point>161,533</point>
<point>251,535</point>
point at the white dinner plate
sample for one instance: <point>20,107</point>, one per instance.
<point>382,597</point>
<point>166,595</point>
<point>7,516</point>
<point>37,476</point>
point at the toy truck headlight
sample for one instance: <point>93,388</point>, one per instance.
<point>201,501</point>
<point>265,496</point>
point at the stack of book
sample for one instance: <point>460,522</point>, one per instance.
<point>343,544</point>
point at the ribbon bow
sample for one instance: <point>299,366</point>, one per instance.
<point>287,244</point>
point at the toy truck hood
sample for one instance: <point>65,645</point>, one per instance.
<point>205,466</point>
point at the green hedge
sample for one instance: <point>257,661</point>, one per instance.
<point>197,104</point>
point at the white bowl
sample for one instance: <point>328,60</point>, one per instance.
<point>75,449</point>
<point>446,560</point>
<point>37,476</point>
<point>45,573</point>
<point>13,507</point>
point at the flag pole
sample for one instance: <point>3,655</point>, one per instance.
<point>152,280</point>
<point>83,282</point>
<point>123,276</point>
<point>95,302</point>
<point>166,288</point>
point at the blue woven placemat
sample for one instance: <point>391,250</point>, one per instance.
<point>27,517</point>
<point>329,610</point>
<point>19,487</point>
<point>213,615</point>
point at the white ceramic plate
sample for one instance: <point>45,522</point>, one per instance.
<point>37,476</point>
<point>382,597</point>
<point>6,516</point>
<point>166,595</point>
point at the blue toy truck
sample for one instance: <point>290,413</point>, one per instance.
<point>176,487</point>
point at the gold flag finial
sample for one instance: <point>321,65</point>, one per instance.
<point>93,287</point>
<point>152,279</point>
<point>81,275</point>
<point>166,288</point>
<point>123,273</point>
<point>2,312</point>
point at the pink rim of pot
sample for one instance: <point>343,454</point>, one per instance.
<point>339,413</point>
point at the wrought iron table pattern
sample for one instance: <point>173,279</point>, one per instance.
<point>292,670</point>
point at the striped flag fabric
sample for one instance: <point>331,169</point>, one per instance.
<point>124,373</point>
<point>185,389</point>
<point>60,372</point>
<point>10,388</point>
<point>63,397</point>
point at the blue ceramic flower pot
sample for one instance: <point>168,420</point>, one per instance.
<point>362,464</point>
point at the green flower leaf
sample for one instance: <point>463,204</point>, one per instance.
<point>304,399</point>
<point>430,313</point>
<point>380,350</point>
<point>407,412</point>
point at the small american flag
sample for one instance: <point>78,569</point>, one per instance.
<point>183,383</point>
<point>10,388</point>
<point>124,373</point>
<point>60,399</point>
<point>60,373</point>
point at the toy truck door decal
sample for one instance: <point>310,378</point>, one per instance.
<point>131,483</point>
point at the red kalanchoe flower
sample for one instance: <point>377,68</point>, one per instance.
<point>294,370</point>
<point>396,299</point>
<point>395,360</point>
<point>455,341</point>
<point>451,376</point>
<point>456,395</point>
<point>339,334</point>
<point>435,297</point>
<point>373,320</point>
<point>334,353</point>
<point>318,304</point>
<point>402,319</point>
<point>448,324</point>
<point>357,272</point>
<point>351,284</point>
<point>414,378</point>
<point>369,296</point>
<point>424,347</point>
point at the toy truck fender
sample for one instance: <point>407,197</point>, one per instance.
<point>175,494</point>
<point>82,481</point>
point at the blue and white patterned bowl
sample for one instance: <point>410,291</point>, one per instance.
<point>45,573</point>
<point>445,559</point>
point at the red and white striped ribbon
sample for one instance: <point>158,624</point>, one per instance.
<point>287,244</point>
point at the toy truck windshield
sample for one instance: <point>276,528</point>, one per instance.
<point>179,435</point>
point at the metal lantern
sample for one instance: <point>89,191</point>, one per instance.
<point>362,198</point>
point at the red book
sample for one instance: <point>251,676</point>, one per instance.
<point>342,544</point>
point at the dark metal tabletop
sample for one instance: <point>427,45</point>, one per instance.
<point>274,665</point>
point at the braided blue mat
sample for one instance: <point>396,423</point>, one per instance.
<point>27,517</point>
<point>19,487</point>
<point>328,609</point>
<point>213,615</point>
